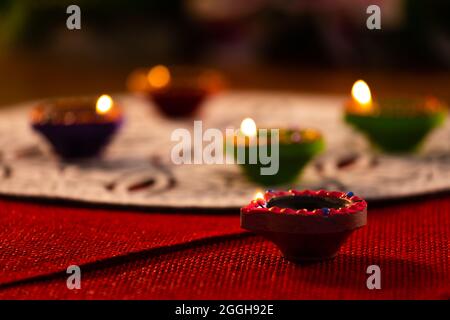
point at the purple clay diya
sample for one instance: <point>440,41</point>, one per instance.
<point>77,127</point>
<point>177,92</point>
<point>305,225</point>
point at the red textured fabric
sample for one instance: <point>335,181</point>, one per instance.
<point>188,256</point>
<point>36,240</point>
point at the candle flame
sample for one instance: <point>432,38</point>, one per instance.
<point>104,104</point>
<point>258,195</point>
<point>159,76</point>
<point>248,127</point>
<point>361,92</point>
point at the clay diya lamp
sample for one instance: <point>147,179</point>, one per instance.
<point>296,148</point>
<point>77,127</point>
<point>305,225</point>
<point>177,92</point>
<point>393,124</point>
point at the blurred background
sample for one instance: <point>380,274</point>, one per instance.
<point>298,45</point>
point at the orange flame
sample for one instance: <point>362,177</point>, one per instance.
<point>104,104</point>
<point>361,93</point>
<point>159,76</point>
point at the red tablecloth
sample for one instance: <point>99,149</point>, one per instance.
<point>131,255</point>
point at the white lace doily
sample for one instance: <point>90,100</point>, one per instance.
<point>136,169</point>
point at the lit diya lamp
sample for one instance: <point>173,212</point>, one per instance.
<point>77,127</point>
<point>179,91</point>
<point>291,148</point>
<point>393,124</point>
<point>305,225</point>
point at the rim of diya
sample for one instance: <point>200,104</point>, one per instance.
<point>287,136</point>
<point>398,107</point>
<point>73,111</point>
<point>338,211</point>
<point>177,80</point>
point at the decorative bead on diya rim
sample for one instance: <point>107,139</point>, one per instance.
<point>177,92</point>
<point>77,127</point>
<point>305,225</point>
<point>297,147</point>
<point>393,124</point>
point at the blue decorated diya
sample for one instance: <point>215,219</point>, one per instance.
<point>77,127</point>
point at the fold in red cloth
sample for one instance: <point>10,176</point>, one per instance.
<point>36,240</point>
<point>126,255</point>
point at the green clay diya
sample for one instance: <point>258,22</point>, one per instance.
<point>296,147</point>
<point>393,124</point>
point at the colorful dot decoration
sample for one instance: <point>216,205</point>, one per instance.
<point>354,204</point>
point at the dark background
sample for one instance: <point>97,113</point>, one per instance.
<point>301,45</point>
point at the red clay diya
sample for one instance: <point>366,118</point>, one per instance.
<point>77,127</point>
<point>305,225</point>
<point>179,91</point>
<point>393,124</point>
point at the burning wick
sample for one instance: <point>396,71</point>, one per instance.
<point>361,93</point>
<point>248,127</point>
<point>259,195</point>
<point>259,198</point>
<point>104,104</point>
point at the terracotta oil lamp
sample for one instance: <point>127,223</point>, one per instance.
<point>305,225</point>
<point>297,147</point>
<point>393,124</point>
<point>77,127</point>
<point>177,92</point>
